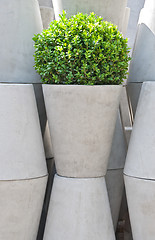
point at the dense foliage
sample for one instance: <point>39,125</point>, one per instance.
<point>83,49</point>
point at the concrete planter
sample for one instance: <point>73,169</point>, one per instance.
<point>22,153</point>
<point>79,209</point>
<point>141,151</point>
<point>23,173</point>
<point>110,10</point>
<point>82,122</point>
<point>19,21</point>
<point>140,166</point>
<point>143,58</point>
<point>20,207</point>
<point>140,195</point>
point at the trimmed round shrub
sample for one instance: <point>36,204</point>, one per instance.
<point>83,49</point>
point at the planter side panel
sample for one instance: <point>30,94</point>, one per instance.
<point>82,121</point>
<point>20,207</point>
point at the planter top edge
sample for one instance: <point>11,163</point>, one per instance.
<point>78,86</point>
<point>16,84</point>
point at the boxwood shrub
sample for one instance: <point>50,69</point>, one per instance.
<point>83,49</point>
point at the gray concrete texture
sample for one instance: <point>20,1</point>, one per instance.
<point>114,176</point>
<point>47,15</point>
<point>79,209</point>
<point>141,195</point>
<point>19,21</point>
<point>115,188</point>
<point>119,147</point>
<point>133,92</point>
<point>45,3</point>
<point>135,7</point>
<point>22,154</point>
<point>110,10</point>
<point>143,58</point>
<point>20,208</point>
<point>141,151</point>
<point>125,21</point>
<point>82,121</point>
<point>47,142</point>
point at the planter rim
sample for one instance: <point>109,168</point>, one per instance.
<point>15,84</point>
<point>80,85</point>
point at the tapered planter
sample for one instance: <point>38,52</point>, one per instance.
<point>140,166</point>
<point>143,57</point>
<point>111,10</point>
<point>79,209</point>
<point>20,207</point>
<point>23,172</point>
<point>19,21</point>
<point>141,204</point>
<point>142,64</point>
<point>140,157</point>
<point>82,122</point>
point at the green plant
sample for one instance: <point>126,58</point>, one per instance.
<point>83,49</point>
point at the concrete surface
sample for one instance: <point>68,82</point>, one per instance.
<point>79,209</point>
<point>19,21</point>
<point>51,171</point>
<point>143,58</point>
<point>48,143</point>
<point>110,10</point>
<point>82,122</point>
<point>20,207</point>
<point>135,7</point>
<point>114,176</point>
<point>125,114</point>
<point>141,151</point>
<point>140,196</point>
<point>133,92</point>
<point>119,147</point>
<point>47,15</point>
<point>125,21</point>
<point>45,3</point>
<point>22,154</point>
<point>115,187</point>
<point>40,106</point>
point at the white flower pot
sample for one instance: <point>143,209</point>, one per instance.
<point>23,173</point>
<point>110,10</point>
<point>141,204</point>
<point>19,21</point>
<point>82,122</point>
<point>79,209</point>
